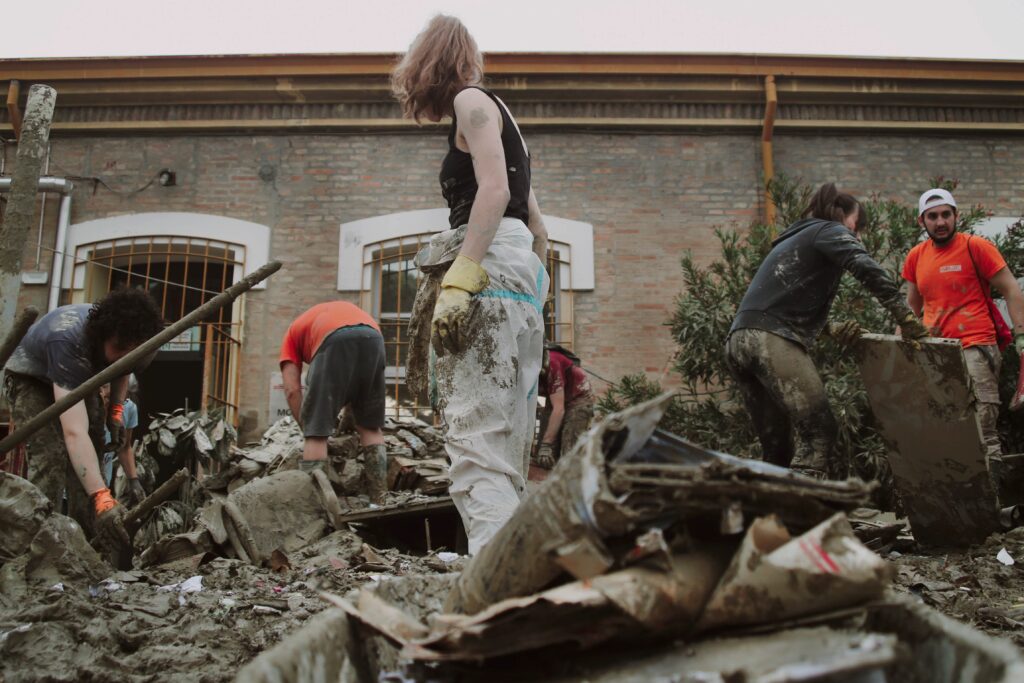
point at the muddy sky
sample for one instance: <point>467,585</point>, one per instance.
<point>982,29</point>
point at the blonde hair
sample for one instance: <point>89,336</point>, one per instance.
<point>441,60</point>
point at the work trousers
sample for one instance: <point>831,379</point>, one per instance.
<point>49,467</point>
<point>983,364</point>
<point>487,393</point>
<point>786,400</point>
<point>579,415</point>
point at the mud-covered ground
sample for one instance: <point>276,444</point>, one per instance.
<point>139,626</point>
<point>153,625</point>
<point>971,585</point>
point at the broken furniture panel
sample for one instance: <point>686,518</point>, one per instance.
<point>923,401</point>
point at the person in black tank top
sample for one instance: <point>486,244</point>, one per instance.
<point>486,174</point>
<point>478,335</point>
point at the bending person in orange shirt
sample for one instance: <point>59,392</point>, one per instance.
<point>949,276</point>
<point>345,351</point>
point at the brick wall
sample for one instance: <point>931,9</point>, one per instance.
<point>649,197</point>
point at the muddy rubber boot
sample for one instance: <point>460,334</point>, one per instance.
<point>375,464</point>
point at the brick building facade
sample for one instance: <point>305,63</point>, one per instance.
<point>652,153</point>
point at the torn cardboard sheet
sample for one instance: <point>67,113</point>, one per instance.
<point>774,577</point>
<point>769,578</point>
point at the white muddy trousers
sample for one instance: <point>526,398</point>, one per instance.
<point>487,393</point>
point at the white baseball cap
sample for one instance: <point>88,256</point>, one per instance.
<point>934,197</point>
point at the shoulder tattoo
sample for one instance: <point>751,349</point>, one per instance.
<point>478,118</point>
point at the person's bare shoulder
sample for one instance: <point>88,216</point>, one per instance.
<point>475,109</point>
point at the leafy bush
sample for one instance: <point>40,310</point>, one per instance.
<point>709,409</point>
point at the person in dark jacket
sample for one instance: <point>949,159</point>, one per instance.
<point>784,310</point>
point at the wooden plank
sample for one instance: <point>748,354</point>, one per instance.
<point>923,401</point>
<point>13,109</point>
<point>442,504</point>
<point>31,70</point>
<point>577,123</point>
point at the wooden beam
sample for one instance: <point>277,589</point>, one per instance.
<point>903,126</point>
<point>232,126</point>
<point>771,97</point>
<point>98,68</point>
<point>13,109</point>
<point>398,511</point>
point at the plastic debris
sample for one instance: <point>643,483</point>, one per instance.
<point>1005,557</point>
<point>192,584</point>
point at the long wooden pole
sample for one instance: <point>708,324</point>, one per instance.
<point>21,202</point>
<point>13,110</point>
<point>149,503</point>
<point>127,364</point>
<point>767,154</point>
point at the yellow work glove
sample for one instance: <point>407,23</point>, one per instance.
<point>449,327</point>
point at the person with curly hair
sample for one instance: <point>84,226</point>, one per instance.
<point>60,352</point>
<point>482,308</point>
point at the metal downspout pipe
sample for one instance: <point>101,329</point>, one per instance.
<point>767,159</point>
<point>64,187</point>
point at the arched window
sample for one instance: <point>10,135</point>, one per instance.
<point>183,260</point>
<point>376,259</point>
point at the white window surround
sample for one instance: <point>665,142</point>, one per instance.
<point>253,236</point>
<point>356,235</point>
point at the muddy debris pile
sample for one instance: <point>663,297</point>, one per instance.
<point>65,614</point>
<point>416,459</point>
<point>645,557</point>
<point>259,503</point>
<point>179,438</point>
<point>417,463</point>
<point>640,535</point>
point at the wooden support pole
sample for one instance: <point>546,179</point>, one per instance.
<point>17,333</point>
<point>21,202</point>
<point>128,363</point>
<point>13,109</point>
<point>767,155</point>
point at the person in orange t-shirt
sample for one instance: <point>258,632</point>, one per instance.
<point>949,276</point>
<point>344,349</point>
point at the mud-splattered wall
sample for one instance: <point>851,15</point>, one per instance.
<point>649,197</point>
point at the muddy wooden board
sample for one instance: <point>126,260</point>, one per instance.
<point>417,509</point>
<point>923,402</point>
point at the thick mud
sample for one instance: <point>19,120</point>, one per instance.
<point>970,585</point>
<point>181,622</point>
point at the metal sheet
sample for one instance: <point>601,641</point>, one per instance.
<point>924,405</point>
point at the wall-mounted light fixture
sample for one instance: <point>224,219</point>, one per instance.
<point>167,177</point>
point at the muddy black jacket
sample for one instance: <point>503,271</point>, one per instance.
<point>793,289</point>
